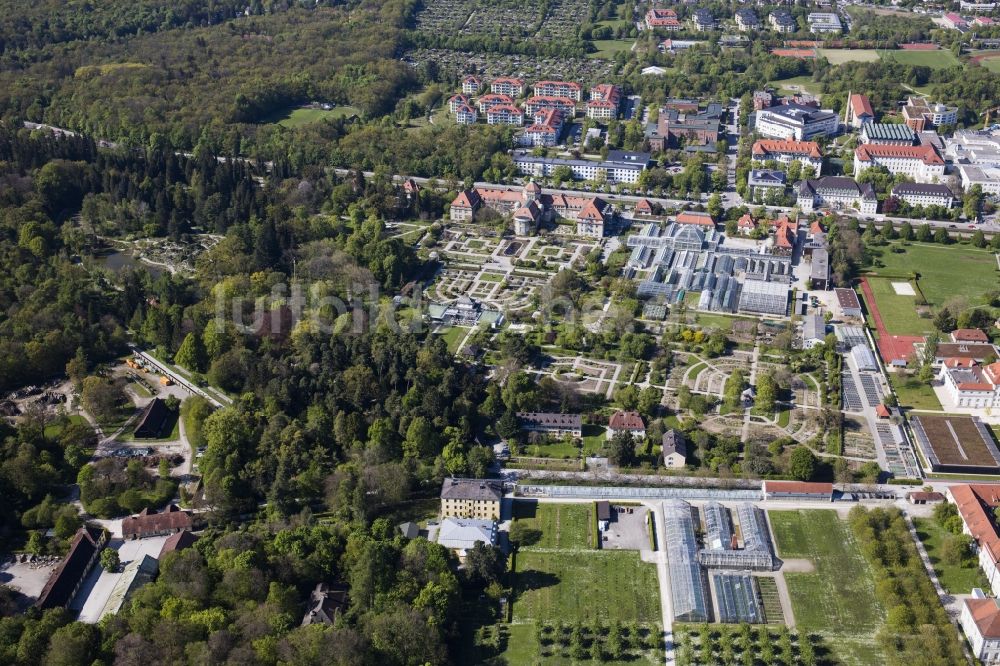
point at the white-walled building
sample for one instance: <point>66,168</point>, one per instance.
<point>970,385</point>
<point>921,194</point>
<point>794,121</point>
<point>921,163</point>
<point>980,620</point>
<point>836,192</point>
<point>786,152</point>
<point>507,86</point>
<point>505,114</point>
<point>824,22</point>
<point>471,85</point>
<point>569,89</point>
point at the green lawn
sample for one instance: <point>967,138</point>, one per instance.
<point>899,312</point>
<point>306,116</point>
<point>914,393</point>
<point>453,337</point>
<point>588,587</point>
<point>840,56</point>
<point>956,579</point>
<point>939,59</point>
<point>564,526</point>
<point>837,599</point>
<point>54,429</point>
<point>796,84</point>
<point>608,48</point>
<point>945,270</point>
<point>992,64</point>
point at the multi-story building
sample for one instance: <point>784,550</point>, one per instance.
<point>604,101</point>
<point>545,129</point>
<point>859,111</point>
<point>703,20</point>
<point>658,18</point>
<point>824,22</point>
<point>980,620</point>
<point>786,152</point>
<point>747,20</point>
<point>970,385</point>
<point>471,498</point>
<point>680,121</point>
<point>471,85</point>
<point>921,163</point>
<point>919,114</point>
<point>466,115</point>
<point>551,423</point>
<point>988,178</point>
<point>506,85</point>
<point>973,502</point>
<point>487,102</point>
<point>762,182</point>
<point>590,214</point>
<point>505,114</point>
<point>965,6</point>
<point>924,194</point>
<point>887,134</point>
<point>619,167</point>
<point>954,21</point>
<point>836,192</point>
<point>539,103</point>
<point>456,101</point>
<point>973,147</point>
<point>795,121</point>
<point>568,89</point>
<point>782,21</point>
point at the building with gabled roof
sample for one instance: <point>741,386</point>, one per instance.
<point>975,504</point>
<point>630,422</point>
<point>762,182</point>
<point>969,335</point>
<point>506,85</point>
<point>65,581</point>
<point>747,20</point>
<point>178,541</point>
<point>456,101</point>
<point>552,423</point>
<point>462,534</point>
<point>980,620</point>
<point>696,218</point>
<point>658,18</point>
<point>674,449</point>
<point>859,111</point>
<point>471,85</point>
<point>487,102</point>
<point>134,575</point>
<point>787,151</point>
<point>798,490</point>
<point>465,114</point>
<point>921,163</point>
<point>924,194</point>
<point>888,134</point>
<point>836,192</point>
<point>149,522</point>
<point>504,114</point>
<point>569,89</point>
<point>471,498</point>
<point>326,604</point>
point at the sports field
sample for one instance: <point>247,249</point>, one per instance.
<point>840,56</point>
<point>899,312</point>
<point>938,59</point>
<point>836,600</point>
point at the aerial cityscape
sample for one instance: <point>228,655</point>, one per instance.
<point>455,332</point>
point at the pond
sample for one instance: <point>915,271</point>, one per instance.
<point>116,260</point>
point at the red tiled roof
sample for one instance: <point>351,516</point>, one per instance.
<point>746,221</point>
<point>972,501</point>
<point>798,487</point>
<point>149,522</point>
<point>882,411</point>
<point>688,217</point>
<point>644,206</point>
<point>986,614</point>
<point>969,335</point>
<point>466,199</point>
<point>861,106</point>
<point>807,148</point>
<point>621,420</point>
<point>866,152</point>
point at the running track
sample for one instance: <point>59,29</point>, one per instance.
<point>891,347</point>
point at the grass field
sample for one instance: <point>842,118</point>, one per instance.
<point>899,312</point>
<point>563,526</point>
<point>306,116</point>
<point>453,337</point>
<point>957,579</point>
<point>939,59</point>
<point>836,600</point>
<point>914,393</point>
<point>596,586</point>
<point>945,270</point>
<point>608,48</point>
<point>796,84</point>
<point>992,64</point>
<point>54,429</point>
<point>840,56</point>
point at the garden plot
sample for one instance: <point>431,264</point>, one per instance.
<point>585,375</point>
<point>556,19</point>
<point>455,63</point>
<point>858,440</point>
<point>459,244</point>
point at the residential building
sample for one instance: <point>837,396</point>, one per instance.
<point>551,423</point>
<point>849,303</point>
<point>969,385</point>
<point>643,207</point>
<point>471,498</point>
<point>569,89</point>
<point>466,115</point>
<point>836,192</point>
<point>795,121</point>
<point>823,22</point>
<point>888,134</point>
<point>326,604</point>
<point>924,194</point>
<point>919,114</point>
<point>674,449</point>
<point>785,152</point>
<point>134,575</point>
<point>505,114</point>
<point>604,102</point>
<point>462,534</point>
<point>149,523</point>
<point>630,422</point>
<point>987,178</point>
<point>980,620</point>
<point>786,233</point>
<point>747,20</point>
<point>782,21</point>
<point>456,101</point>
<point>703,20</point>
<point>619,167</point>
<point>746,224</point>
<point>471,85</point>
<point>487,102</point>
<point>65,581</point>
<point>921,163</point>
<point>954,21</point>
<point>659,18</point>
<point>764,182</point>
<point>537,103</point>
<point>859,111</point>
<point>507,86</point>
<point>545,129</point>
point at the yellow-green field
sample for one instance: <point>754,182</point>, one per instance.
<point>840,56</point>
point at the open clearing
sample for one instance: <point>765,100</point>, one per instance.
<point>840,56</point>
<point>938,59</point>
<point>836,600</point>
<point>307,116</point>
<point>564,526</point>
<point>796,84</point>
<point>945,270</point>
<point>607,48</point>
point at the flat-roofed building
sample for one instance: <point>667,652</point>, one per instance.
<point>795,121</point>
<point>824,22</point>
<point>848,301</point>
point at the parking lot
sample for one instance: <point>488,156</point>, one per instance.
<point>628,529</point>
